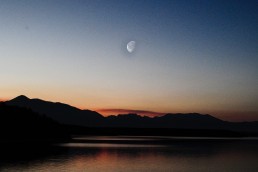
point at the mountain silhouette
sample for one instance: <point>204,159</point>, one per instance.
<point>60,112</point>
<point>182,121</point>
<point>67,114</point>
<point>22,124</point>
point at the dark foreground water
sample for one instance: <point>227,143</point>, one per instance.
<point>129,154</point>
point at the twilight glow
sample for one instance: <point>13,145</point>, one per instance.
<point>191,56</point>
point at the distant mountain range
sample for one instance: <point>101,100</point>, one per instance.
<point>67,114</point>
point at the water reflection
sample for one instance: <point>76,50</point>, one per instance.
<point>181,155</point>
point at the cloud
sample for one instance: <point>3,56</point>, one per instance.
<point>107,112</point>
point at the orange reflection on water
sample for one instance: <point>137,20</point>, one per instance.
<point>106,159</point>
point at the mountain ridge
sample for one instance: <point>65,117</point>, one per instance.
<point>61,112</point>
<point>70,115</point>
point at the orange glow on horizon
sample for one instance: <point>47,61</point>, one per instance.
<point>2,100</point>
<point>107,112</point>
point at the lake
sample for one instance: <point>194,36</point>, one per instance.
<point>129,154</point>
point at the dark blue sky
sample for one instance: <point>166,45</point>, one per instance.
<point>190,56</point>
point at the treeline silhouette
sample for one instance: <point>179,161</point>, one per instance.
<point>18,124</point>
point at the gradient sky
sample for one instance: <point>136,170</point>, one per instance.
<point>191,56</point>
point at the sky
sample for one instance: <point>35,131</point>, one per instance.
<point>190,55</point>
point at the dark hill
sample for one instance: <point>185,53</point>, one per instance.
<point>22,124</point>
<point>63,113</point>
<point>190,120</point>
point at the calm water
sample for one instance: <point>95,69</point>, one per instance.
<point>112,154</point>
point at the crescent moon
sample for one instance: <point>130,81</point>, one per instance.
<point>131,46</point>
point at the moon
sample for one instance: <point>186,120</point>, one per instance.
<point>131,46</point>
